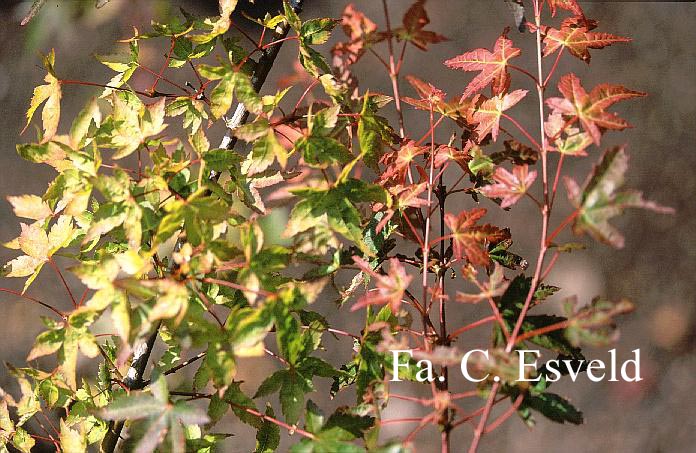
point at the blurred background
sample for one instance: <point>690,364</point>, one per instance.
<point>655,270</point>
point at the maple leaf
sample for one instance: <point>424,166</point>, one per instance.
<point>575,35</point>
<point>430,95</point>
<point>568,5</point>
<point>510,187</point>
<point>155,419</point>
<point>446,153</point>
<point>51,95</point>
<point>495,287</point>
<point>590,108</point>
<point>67,338</point>
<point>573,144</point>
<point>262,182</point>
<point>517,153</point>
<point>361,32</point>
<point>594,324</point>
<point>38,247</point>
<point>415,20</point>
<point>471,240</point>
<point>134,122</point>
<point>600,201</point>
<point>488,114</point>
<point>30,207</point>
<point>399,161</point>
<point>408,196</point>
<point>390,287</point>
<point>493,66</point>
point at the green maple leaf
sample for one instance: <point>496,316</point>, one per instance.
<point>334,434</point>
<point>335,208</point>
<point>157,418</point>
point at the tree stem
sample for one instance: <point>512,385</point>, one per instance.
<point>543,246</point>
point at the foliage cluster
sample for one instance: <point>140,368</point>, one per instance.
<point>170,235</point>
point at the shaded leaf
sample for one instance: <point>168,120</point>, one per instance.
<point>601,200</point>
<point>413,30</point>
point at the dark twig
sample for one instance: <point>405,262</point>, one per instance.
<point>261,70</point>
<point>133,381</point>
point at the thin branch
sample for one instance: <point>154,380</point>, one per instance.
<point>393,71</point>
<point>507,414</point>
<point>261,292</point>
<point>543,330</point>
<point>62,279</point>
<point>470,326</point>
<point>36,301</point>
<point>291,429</point>
<point>543,246</point>
<point>393,421</point>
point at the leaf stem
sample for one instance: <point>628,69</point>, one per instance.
<point>36,301</point>
<point>261,292</point>
<point>524,131</point>
<point>559,167</point>
<point>291,428</point>
<point>562,225</point>
<point>553,69</point>
<point>470,326</point>
<point>164,67</point>
<point>525,72</point>
<point>164,79</point>
<point>393,70</point>
<point>62,279</point>
<point>543,330</point>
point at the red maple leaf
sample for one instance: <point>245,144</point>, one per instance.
<point>408,196</point>
<point>590,108</point>
<point>575,35</point>
<point>390,287</point>
<point>429,95</point>
<point>361,32</point>
<point>510,187</point>
<point>398,162</point>
<point>568,5</point>
<point>488,114</point>
<point>447,153</point>
<point>471,240</point>
<point>415,20</point>
<point>493,66</point>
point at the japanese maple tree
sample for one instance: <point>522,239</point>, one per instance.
<point>174,239</point>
